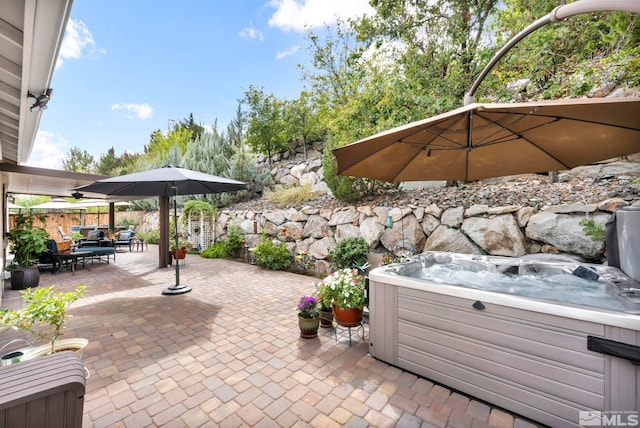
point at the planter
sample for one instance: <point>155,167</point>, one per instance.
<point>179,253</point>
<point>308,327</point>
<point>76,344</point>
<point>326,319</point>
<point>347,317</point>
<point>25,277</point>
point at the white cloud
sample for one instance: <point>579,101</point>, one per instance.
<point>251,33</point>
<point>49,150</point>
<point>78,42</point>
<point>291,51</point>
<point>140,111</point>
<point>295,15</point>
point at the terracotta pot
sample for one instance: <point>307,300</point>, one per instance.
<point>179,253</point>
<point>308,327</point>
<point>347,317</point>
<point>326,319</point>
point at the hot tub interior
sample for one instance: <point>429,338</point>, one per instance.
<point>551,278</point>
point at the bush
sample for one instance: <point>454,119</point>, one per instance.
<point>234,240</point>
<point>350,253</point>
<point>218,250</point>
<point>152,236</point>
<point>272,255</point>
<point>292,195</point>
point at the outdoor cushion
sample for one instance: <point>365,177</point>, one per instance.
<point>95,234</point>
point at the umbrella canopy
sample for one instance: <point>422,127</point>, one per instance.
<point>492,140</point>
<point>90,203</point>
<point>13,206</point>
<point>170,180</point>
<point>57,204</point>
<point>166,181</point>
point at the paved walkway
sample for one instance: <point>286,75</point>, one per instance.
<point>228,354</point>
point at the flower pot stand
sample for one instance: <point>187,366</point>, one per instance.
<point>353,332</point>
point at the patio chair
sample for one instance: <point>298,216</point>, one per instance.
<point>124,239</point>
<point>50,257</point>
<point>93,239</point>
<point>63,235</point>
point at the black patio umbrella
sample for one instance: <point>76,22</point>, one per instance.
<point>170,180</point>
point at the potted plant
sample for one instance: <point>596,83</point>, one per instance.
<point>27,243</point>
<point>180,250</point>
<point>345,289</point>
<point>325,301</point>
<point>308,320</point>
<point>43,317</point>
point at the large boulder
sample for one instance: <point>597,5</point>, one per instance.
<point>316,227</point>
<point>405,235</point>
<point>371,231</point>
<point>321,248</point>
<point>565,233</point>
<point>499,236</point>
<point>449,239</point>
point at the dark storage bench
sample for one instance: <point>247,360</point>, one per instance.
<point>47,392</point>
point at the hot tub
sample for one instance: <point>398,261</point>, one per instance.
<point>544,338</point>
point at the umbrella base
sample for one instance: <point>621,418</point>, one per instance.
<point>177,289</point>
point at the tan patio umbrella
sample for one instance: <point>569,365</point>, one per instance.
<point>492,140</point>
<point>57,204</point>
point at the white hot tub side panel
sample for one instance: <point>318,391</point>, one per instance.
<point>532,363</point>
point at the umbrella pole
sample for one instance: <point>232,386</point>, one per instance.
<point>176,289</point>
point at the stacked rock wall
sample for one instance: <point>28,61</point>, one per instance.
<point>506,217</point>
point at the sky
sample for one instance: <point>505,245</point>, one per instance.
<point>129,67</point>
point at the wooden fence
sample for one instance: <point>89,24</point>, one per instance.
<point>66,220</point>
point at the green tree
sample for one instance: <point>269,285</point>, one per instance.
<point>160,144</point>
<point>564,59</point>
<point>107,162</point>
<point>78,160</point>
<point>266,126</point>
<point>301,119</point>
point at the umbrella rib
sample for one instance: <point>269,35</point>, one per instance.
<point>557,118</point>
<point>438,135</point>
<point>522,137</point>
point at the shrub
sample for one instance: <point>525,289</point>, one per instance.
<point>292,195</point>
<point>272,255</point>
<point>350,253</point>
<point>153,236</point>
<point>234,240</point>
<point>218,250</point>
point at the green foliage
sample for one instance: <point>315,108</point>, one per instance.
<point>79,161</point>
<point>182,243</point>
<point>107,162</point>
<point>235,239</point>
<point>567,58</point>
<point>218,250</point>
<point>344,288</point>
<point>126,222</point>
<point>272,255</point>
<point>350,253</point>
<point>151,236</point>
<point>27,241</point>
<point>196,208</point>
<point>294,195</point>
<point>265,132</point>
<point>593,230</point>
<point>160,144</point>
<point>44,314</point>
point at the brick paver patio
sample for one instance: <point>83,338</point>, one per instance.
<point>228,354</point>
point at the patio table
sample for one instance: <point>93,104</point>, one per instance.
<point>73,256</point>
